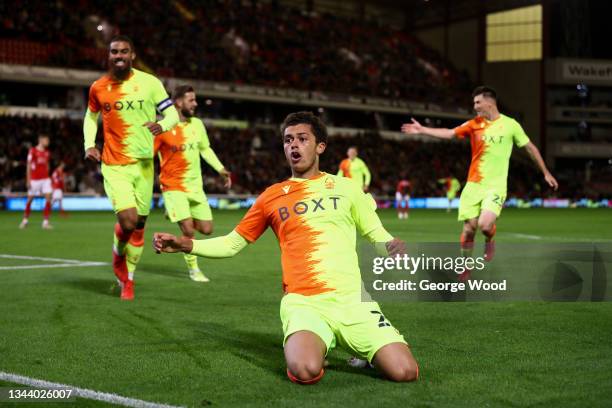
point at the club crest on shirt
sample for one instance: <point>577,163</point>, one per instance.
<point>286,189</point>
<point>329,183</point>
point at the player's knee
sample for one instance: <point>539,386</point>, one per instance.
<point>485,227</point>
<point>141,222</point>
<point>305,371</point>
<point>188,232</point>
<point>128,225</point>
<point>403,373</point>
<point>205,229</point>
<point>468,232</point>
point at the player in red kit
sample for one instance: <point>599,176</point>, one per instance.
<point>57,183</point>
<point>37,180</point>
<point>402,199</point>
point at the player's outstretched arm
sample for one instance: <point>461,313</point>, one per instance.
<point>535,155</point>
<point>220,247</point>
<point>415,128</point>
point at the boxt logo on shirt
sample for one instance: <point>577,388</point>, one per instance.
<point>312,205</point>
<point>123,105</point>
<point>182,147</point>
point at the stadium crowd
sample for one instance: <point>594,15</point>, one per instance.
<point>255,157</point>
<point>219,41</point>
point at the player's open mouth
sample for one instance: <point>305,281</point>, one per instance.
<point>295,157</point>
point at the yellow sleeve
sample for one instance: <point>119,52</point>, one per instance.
<point>90,128</point>
<point>219,247</point>
<point>207,153</point>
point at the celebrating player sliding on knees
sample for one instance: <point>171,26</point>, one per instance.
<point>315,217</point>
<point>492,135</point>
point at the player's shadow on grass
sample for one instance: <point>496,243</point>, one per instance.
<point>100,286</point>
<point>163,270</point>
<point>264,350</point>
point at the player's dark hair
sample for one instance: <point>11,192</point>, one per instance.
<point>41,135</point>
<point>123,38</point>
<point>180,91</point>
<point>486,91</point>
<point>306,118</point>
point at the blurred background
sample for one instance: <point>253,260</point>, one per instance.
<point>364,66</point>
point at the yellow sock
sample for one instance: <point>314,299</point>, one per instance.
<point>134,250</point>
<point>192,262</point>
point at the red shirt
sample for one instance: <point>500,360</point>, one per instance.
<point>38,161</point>
<point>403,187</point>
<point>57,179</point>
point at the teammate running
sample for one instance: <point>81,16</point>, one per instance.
<point>128,100</point>
<point>491,135</point>
<point>181,176</point>
<point>355,168</point>
<point>315,217</point>
<point>38,181</point>
<point>452,186</point>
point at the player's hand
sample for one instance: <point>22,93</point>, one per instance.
<point>412,128</point>
<point>227,176</point>
<point>396,247</point>
<point>168,243</point>
<point>154,127</point>
<point>92,154</point>
<point>551,181</point>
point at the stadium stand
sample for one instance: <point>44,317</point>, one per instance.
<point>216,40</point>
<point>254,164</point>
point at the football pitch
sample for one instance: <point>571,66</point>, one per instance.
<point>220,343</point>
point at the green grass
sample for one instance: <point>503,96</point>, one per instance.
<point>220,343</point>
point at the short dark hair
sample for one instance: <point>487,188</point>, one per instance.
<point>180,91</point>
<point>486,91</point>
<point>41,135</point>
<point>123,38</point>
<point>306,118</point>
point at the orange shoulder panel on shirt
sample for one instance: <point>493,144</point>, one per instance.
<point>173,163</point>
<point>345,166</point>
<point>298,241</point>
<point>115,128</point>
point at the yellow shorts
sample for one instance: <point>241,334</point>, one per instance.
<point>475,198</point>
<point>130,185</point>
<point>181,205</point>
<point>357,326</point>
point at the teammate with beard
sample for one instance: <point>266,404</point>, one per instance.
<point>180,177</point>
<point>128,100</point>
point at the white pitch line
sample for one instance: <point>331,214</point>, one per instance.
<point>527,236</point>
<point>40,258</point>
<point>65,265</point>
<point>83,392</point>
